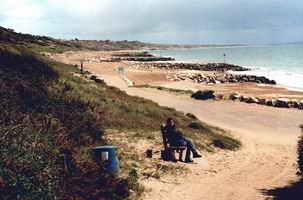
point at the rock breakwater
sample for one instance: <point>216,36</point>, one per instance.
<point>128,56</point>
<point>279,102</point>
<point>220,67</point>
<point>218,78</point>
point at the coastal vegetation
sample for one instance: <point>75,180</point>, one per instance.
<point>43,131</point>
<point>165,89</point>
<point>109,45</point>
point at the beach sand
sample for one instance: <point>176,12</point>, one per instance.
<point>269,135</point>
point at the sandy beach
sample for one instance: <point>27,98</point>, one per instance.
<point>269,134</point>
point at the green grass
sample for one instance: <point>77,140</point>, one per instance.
<point>165,89</point>
<point>128,113</point>
<point>51,48</point>
<point>25,152</point>
<point>133,114</point>
<point>40,123</point>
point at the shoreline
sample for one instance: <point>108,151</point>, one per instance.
<point>258,71</point>
<point>294,89</point>
<point>280,62</point>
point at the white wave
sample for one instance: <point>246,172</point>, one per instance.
<point>288,79</point>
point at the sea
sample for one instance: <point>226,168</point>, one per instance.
<point>282,63</point>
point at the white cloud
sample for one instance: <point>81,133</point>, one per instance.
<point>190,21</point>
<point>20,9</point>
<point>21,15</point>
<point>79,7</point>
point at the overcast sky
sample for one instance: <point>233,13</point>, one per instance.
<point>159,21</point>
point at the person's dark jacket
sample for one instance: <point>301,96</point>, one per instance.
<point>173,135</point>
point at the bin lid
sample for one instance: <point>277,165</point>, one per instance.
<point>104,147</point>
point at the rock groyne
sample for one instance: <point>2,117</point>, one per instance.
<point>218,78</point>
<point>129,56</point>
<point>220,67</point>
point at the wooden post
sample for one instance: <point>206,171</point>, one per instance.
<point>224,57</point>
<point>81,68</point>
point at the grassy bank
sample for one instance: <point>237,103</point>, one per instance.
<point>51,117</point>
<point>44,132</point>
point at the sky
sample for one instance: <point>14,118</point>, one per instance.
<point>159,21</point>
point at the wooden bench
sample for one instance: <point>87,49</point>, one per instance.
<point>170,150</point>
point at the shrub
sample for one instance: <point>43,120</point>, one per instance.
<point>203,95</point>
<point>191,116</point>
<point>225,142</point>
<point>196,125</point>
<point>219,143</point>
<point>27,164</point>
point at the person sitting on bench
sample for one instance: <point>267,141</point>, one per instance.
<point>176,138</point>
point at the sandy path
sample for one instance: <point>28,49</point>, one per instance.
<point>267,160</point>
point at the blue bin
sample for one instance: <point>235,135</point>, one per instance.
<point>107,156</point>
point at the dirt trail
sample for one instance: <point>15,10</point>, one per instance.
<point>267,159</point>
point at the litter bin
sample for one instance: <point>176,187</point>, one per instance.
<point>107,156</point>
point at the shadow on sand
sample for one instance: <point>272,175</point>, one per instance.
<point>294,191</point>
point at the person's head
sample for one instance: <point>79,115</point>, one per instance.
<point>170,122</point>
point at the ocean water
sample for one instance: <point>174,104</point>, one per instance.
<point>282,63</point>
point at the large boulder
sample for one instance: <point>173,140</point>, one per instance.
<point>273,82</point>
<point>261,101</point>
<point>234,96</point>
<point>252,100</point>
<point>100,81</point>
<point>93,77</point>
<point>221,79</point>
<point>245,79</point>
<point>296,104</point>
<point>233,80</point>
<point>203,95</point>
<point>282,103</point>
<point>293,104</point>
<point>269,102</point>
<point>243,98</point>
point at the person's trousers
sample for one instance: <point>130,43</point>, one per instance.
<point>190,146</point>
